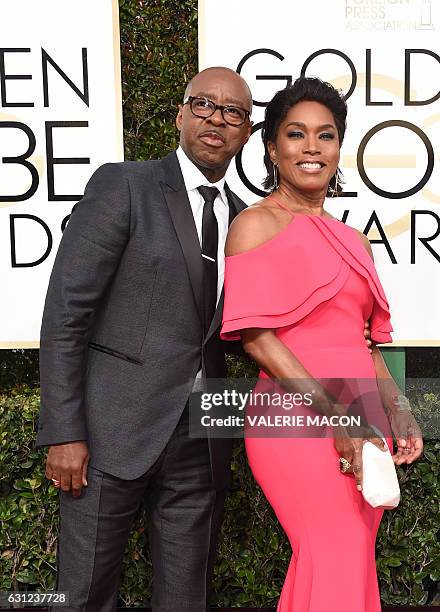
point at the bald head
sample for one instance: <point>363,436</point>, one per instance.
<point>210,142</point>
<point>209,76</point>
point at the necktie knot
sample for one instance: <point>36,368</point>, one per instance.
<point>208,193</point>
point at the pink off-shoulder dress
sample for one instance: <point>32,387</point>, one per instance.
<point>315,284</point>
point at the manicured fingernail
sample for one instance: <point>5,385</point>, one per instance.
<point>358,487</point>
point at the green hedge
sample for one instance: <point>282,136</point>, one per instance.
<point>159,54</point>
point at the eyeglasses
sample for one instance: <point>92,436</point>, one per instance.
<point>204,108</point>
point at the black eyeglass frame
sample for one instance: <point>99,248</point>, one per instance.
<point>190,99</point>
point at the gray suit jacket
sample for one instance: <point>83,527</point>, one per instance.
<point>122,333</point>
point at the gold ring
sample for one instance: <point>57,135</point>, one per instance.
<point>345,465</point>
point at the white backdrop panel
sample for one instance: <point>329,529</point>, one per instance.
<point>359,44</point>
<point>63,102</point>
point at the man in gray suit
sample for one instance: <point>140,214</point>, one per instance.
<point>132,316</point>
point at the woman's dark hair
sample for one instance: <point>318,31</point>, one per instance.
<point>304,88</point>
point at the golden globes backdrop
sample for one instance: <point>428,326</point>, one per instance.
<point>385,56</point>
<point>60,118</point>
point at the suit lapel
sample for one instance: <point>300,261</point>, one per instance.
<point>217,318</point>
<point>235,204</point>
<point>176,197</point>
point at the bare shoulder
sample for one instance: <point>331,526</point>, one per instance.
<point>365,241</point>
<point>250,228</point>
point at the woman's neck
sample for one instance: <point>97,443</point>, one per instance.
<point>312,203</point>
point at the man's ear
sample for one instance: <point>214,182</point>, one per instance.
<point>179,118</point>
<point>248,133</point>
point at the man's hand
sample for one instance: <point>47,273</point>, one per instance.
<point>367,335</point>
<point>67,463</point>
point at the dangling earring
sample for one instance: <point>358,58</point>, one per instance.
<point>334,191</point>
<point>338,181</point>
<point>275,177</point>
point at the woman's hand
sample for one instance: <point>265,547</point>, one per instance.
<point>408,436</point>
<point>351,449</point>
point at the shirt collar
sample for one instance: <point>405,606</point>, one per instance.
<point>193,178</point>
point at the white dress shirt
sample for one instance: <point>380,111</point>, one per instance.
<point>193,179</point>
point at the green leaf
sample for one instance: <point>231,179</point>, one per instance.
<point>393,561</point>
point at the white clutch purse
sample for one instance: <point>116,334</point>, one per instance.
<point>380,485</point>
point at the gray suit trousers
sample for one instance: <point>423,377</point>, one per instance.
<point>184,514</point>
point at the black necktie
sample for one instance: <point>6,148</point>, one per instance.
<point>209,253</point>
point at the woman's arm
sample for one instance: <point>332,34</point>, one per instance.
<point>403,424</point>
<point>278,361</point>
<point>388,388</point>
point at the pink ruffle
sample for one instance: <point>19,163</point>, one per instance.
<point>284,279</point>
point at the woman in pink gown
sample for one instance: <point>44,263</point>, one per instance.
<point>299,285</point>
